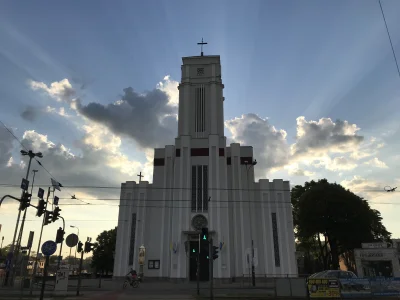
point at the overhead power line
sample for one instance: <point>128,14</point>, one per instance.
<point>390,39</point>
<point>9,185</point>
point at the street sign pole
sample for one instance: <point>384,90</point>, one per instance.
<point>211,275</point>
<point>48,248</point>
<point>79,276</point>
<point>46,264</point>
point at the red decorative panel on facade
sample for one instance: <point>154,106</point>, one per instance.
<point>199,152</point>
<point>158,162</point>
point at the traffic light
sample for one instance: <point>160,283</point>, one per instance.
<point>60,235</point>
<point>25,201</point>
<point>215,252</point>
<point>204,243</point>
<point>204,234</point>
<point>48,217</point>
<point>56,214</point>
<point>80,245</point>
<point>88,247</point>
<point>41,207</point>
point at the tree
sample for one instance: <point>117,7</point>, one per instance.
<point>337,219</point>
<point>4,251</point>
<point>103,253</point>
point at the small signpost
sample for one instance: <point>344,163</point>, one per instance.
<point>24,184</point>
<point>40,193</point>
<point>48,248</point>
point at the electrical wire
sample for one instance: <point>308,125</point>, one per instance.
<point>390,39</point>
<point>9,185</point>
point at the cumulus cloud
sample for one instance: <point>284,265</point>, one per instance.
<point>59,90</point>
<point>61,111</point>
<point>269,144</point>
<point>147,118</point>
<point>99,156</point>
<point>375,162</point>
<point>341,163</point>
<point>295,170</point>
<point>325,135</point>
<point>170,87</point>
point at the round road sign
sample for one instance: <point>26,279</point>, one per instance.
<point>48,248</point>
<point>72,240</point>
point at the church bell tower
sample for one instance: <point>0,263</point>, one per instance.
<point>201,97</point>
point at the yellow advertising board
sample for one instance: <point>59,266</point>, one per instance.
<point>323,288</point>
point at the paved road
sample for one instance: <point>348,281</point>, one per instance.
<point>112,290</point>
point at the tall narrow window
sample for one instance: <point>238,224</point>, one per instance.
<point>199,188</point>
<point>200,106</point>
<point>205,188</point>
<point>276,241</point>
<point>194,192</point>
<point>132,240</point>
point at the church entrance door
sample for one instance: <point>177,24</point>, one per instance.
<point>204,264</point>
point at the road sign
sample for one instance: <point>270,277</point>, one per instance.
<point>30,240</point>
<point>24,184</point>
<point>55,202</point>
<point>48,248</point>
<point>40,193</point>
<point>72,240</point>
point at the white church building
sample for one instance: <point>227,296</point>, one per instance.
<point>200,181</point>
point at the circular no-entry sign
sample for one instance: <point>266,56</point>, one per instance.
<point>72,240</point>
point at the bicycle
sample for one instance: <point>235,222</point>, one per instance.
<point>132,282</point>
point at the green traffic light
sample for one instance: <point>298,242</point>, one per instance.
<point>204,237</point>
<point>194,251</point>
<point>207,257</point>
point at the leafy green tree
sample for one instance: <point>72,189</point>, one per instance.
<point>103,253</point>
<point>5,250</point>
<point>337,219</point>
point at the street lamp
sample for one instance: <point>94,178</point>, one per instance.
<point>248,167</point>
<point>72,226</point>
<point>31,155</point>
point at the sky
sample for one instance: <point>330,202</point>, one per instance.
<point>311,85</point>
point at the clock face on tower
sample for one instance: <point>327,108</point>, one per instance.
<point>200,71</point>
<point>199,221</point>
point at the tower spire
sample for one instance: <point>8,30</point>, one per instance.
<point>202,43</point>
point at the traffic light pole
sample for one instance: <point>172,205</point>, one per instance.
<point>211,260</point>
<point>79,276</point>
<point>59,256</point>
<point>38,248</point>
<point>198,268</point>
<point>46,265</point>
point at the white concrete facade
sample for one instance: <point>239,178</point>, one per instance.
<point>200,166</point>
